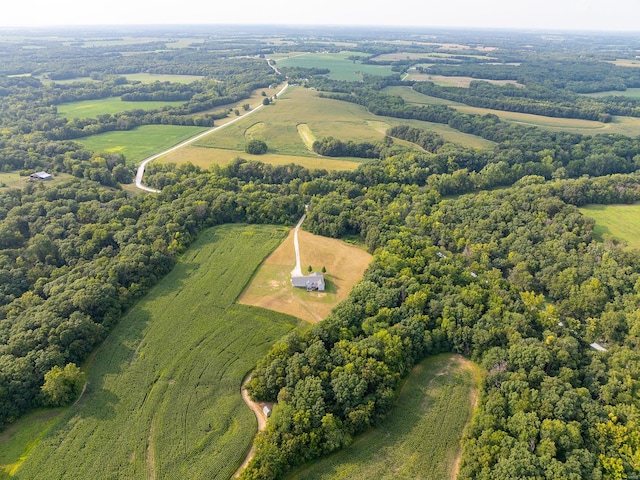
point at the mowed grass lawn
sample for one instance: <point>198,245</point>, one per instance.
<point>156,77</point>
<point>420,438</point>
<point>163,398</point>
<point>629,126</point>
<point>141,142</point>
<point>338,63</point>
<point>102,106</point>
<point>621,222</point>
<point>271,285</point>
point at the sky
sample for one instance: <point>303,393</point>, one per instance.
<point>611,15</point>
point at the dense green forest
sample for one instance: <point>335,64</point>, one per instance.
<point>510,277</point>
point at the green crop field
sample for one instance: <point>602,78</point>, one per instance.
<point>141,142</point>
<point>102,106</point>
<point>420,439</point>
<point>163,398</point>
<point>341,67</point>
<point>278,124</point>
<point>629,126</point>
<point>621,222</point>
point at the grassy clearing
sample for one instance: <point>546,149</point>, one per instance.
<point>629,92</point>
<point>420,439</point>
<point>154,77</point>
<point>102,106</point>
<point>163,399</point>
<point>306,135</point>
<point>623,125</point>
<point>14,180</point>
<point>627,62</point>
<point>271,286</point>
<point>447,81</point>
<point>341,67</point>
<point>141,142</point>
<point>622,222</point>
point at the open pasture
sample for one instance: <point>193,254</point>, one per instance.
<point>141,142</point>
<point>420,438</point>
<point>629,92</point>
<point>341,67</point>
<point>157,77</point>
<point>447,81</point>
<point>102,106</point>
<point>622,125</point>
<point>271,286</point>
<point>626,62</point>
<point>163,397</point>
<point>622,222</point>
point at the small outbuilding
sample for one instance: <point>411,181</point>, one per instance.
<point>266,410</point>
<point>40,176</point>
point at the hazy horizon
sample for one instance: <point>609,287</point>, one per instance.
<point>570,15</point>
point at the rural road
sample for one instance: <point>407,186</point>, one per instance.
<point>145,162</point>
<point>262,423</point>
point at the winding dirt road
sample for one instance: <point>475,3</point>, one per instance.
<point>145,162</point>
<point>262,423</point>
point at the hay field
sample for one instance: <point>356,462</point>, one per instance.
<point>163,397</point>
<point>141,142</point>
<point>622,222</point>
<point>420,438</point>
<point>271,286</point>
<point>102,106</point>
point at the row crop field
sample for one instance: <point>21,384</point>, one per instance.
<point>629,126</point>
<point>141,142</point>
<point>420,438</point>
<point>622,222</point>
<point>163,396</point>
<point>111,105</point>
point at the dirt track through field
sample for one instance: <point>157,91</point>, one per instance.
<point>262,422</point>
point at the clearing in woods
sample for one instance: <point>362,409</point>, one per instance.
<point>271,285</point>
<point>621,222</point>
<point>163,398</point>
<point>93,108</point>
<point>420,438</point>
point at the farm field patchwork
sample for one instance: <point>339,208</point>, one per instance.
<point>341,67</point>
<point>629,126</point>
<point>279,125</point>
<point>621,222</point>
<point>141,142</point>
<point>163,396</point>
<point>102,106</point>
<point>271,286</point>
<point>420,438</point>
